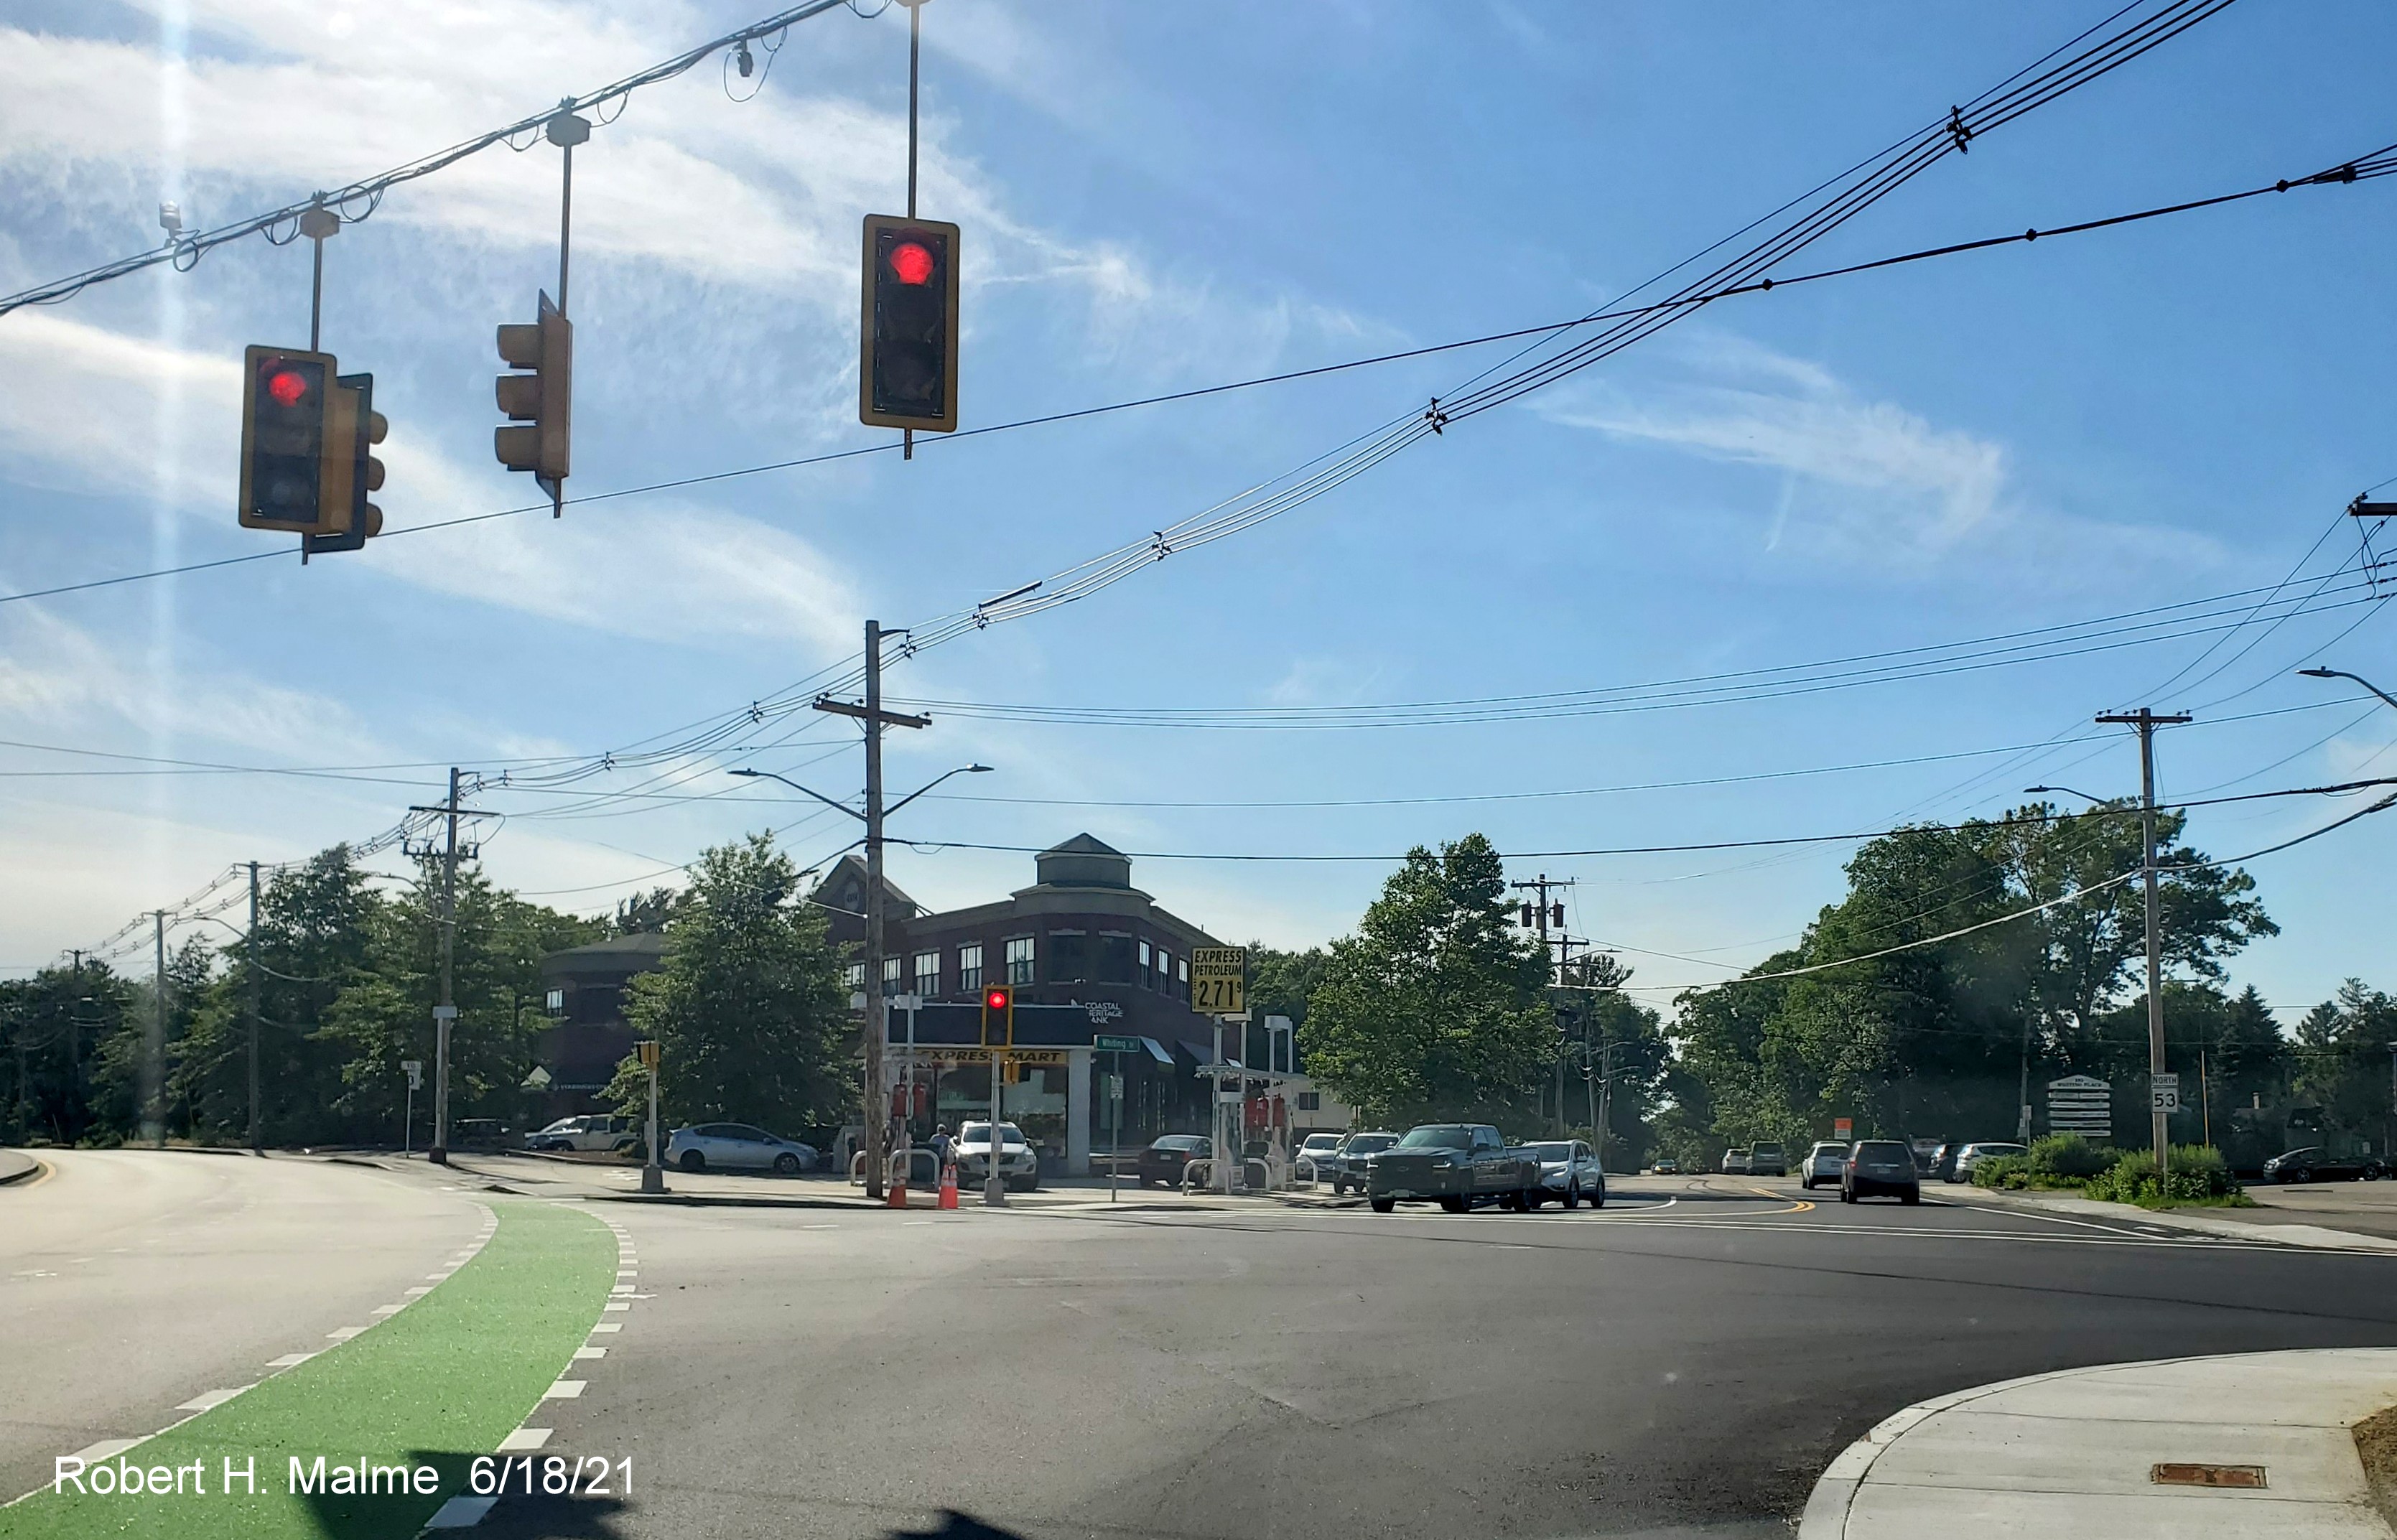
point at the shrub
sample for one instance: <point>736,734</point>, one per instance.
<point>2068,1157</point>
<point>2003,1171</point>
<point>2198,1171</point>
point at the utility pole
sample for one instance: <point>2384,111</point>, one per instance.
<point>255,1134</point>
<point>74,1043</point>
<point>153,1074</point>
<point>444,1012</point>
<point>877,1111</point>
<point>2147,721</point>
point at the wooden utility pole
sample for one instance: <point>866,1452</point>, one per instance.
<point>877,1111</point>
<point>2147,721</point>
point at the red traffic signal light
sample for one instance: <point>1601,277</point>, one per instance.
<point>286,401</point>
<point>998,1017</point>
<point>911,263</point>
<point>907,360</point>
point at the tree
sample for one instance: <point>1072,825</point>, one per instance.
<point>1280,983</point>
<point>2342,1081</point>
<point>1435,1007</point>
<point>748,1009</point>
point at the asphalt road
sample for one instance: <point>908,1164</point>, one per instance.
<point>132,1280</point>
<point>1681,1363</point>
<point>1684,1363</point>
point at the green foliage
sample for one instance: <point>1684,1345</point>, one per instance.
<point>2003,1171</point>
<point>748,1010</point>
<point>1435,1007</point>
<point>1280,983</point>
<point>1933,1039</point>
<point>2197,1173</point>
<point>2066,1158</point>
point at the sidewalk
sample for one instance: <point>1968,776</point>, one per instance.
<point>2072,1455</point>
<point>2262,1224</point>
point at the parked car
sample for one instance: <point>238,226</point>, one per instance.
<point>1317,1155</point>
<point>480,1133</point>
<point>1826,1160</point>
<point>1667,1166</point>
<point>1018,1166</point>
<point>737,1147</point>
<point>1767,1159</point>
<point>1456,1164</point>
<point>1882,1166</point>
<point>1969,1156</point>
<point>1569,1173</point>
<point>1941,1162</point>
<point>1734,1162</point>
<point>1161,1162</point>
<point>1357,1159</point>
<point>592,1131</point>
<point>2314,1163</point>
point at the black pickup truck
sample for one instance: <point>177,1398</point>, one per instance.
<point>1459,1164</point>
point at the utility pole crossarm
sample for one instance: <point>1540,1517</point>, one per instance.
<point>871,713</point>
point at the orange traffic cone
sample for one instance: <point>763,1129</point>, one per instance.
<point>948,1187</point>
<point>898,1198</point>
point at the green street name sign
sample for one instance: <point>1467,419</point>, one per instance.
<point>1116,1045</point>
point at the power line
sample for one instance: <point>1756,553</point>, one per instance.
<point>183,252</point>
<point>2378,163</point>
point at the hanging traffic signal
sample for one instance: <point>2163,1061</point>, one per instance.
<point>351,429</point>
<point>544,398</point>
<point>998,1017</point>
<point>908,365</point>
<point>284,404</point>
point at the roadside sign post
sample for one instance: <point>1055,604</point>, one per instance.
<point>653,1169</point>
<point>2164,1093</point>
<point>414,1069</point>
<point>993,1185</point>
<point>1219,988</point>
<point>1114,1049</point>
<point>1843,1130</point>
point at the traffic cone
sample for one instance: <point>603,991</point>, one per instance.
<point>898,1198</point>
<point>948,1187</point>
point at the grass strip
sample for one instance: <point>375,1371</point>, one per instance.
<point>438,1384</point>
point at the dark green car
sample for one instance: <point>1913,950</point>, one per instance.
<point>1456,1165</point>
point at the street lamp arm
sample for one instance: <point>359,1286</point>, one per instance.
<point>2342,674</point>
<point>928,785</point>
<point>796,786</point>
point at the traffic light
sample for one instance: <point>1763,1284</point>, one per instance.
<point>998,1017</point>
<point>285,405</point>
<point>907,365</point>
<point>544,398</point>
<point>351,430</point>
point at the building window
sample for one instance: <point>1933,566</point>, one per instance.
<point>853,975</point>
<point>1114,960</point>
<point>556,1002</point>
<point>1311,1101</point>
<point>1164,972</point>
<point>969,967</point>
<point>928,972</point>
<point>891,975</point>
<point>1018,959</point>
<point>1182,978</point>
<point>1069,957</point>
<point>1148,979</point>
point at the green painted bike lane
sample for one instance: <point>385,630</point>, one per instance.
<point>437,1384</point>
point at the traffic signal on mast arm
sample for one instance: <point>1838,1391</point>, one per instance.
<point>351,430</point>
<point>907,363</point>
<point>285,406</point>
<point>998,1017</point>
<point>544,398</point>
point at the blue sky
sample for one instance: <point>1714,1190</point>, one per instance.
<point>1158,198</point>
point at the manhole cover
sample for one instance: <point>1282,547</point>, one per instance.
<point>2207,1476</point>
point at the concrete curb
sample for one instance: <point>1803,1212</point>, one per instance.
<point>2287,1235</point>
<point>16,1166</point>
<point>2017,1508</point>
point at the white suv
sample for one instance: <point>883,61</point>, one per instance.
<point>595,1132</point>
<point>1824,1162</point>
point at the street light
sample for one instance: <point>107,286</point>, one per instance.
<point>2342,674</point>
<point>876,1110</point>
<point>2042,791</point>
